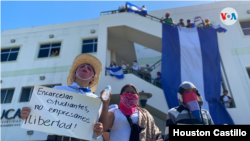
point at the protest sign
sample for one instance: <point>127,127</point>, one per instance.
<point>61,112</point>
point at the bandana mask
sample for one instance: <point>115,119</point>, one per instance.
<point>128,103</point>
<point>84,72</point>
<point>190,100</point>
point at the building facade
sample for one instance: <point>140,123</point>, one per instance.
<point>43,55</point>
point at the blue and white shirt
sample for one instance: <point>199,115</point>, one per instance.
<point>74,87</point>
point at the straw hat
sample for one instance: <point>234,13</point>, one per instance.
<point>86,59</point>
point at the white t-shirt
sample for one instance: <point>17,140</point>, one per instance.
<point>120,131</point>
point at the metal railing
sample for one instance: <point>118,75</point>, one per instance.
<point>141,75</point>
<point>147,16</point>
<point>154,65</point>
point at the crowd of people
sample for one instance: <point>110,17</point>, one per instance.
<point>168,20</point>
<point>138,71</point>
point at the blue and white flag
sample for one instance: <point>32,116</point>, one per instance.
<point>192,54</point>
<point>117,72</point>
<point>135,9</point>
<point>196,19</point>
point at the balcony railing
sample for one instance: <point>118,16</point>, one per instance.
<point>141,75</point>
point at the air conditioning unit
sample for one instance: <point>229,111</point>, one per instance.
<point>51,36</point>
<point>12,40</point>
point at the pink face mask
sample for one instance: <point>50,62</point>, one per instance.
<point>84,72</point>
<point>128,103</point>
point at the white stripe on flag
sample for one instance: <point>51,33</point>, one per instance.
<point>191,60</point>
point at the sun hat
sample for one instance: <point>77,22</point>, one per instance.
<point>86,59</point>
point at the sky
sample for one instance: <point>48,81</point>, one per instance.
<point>20,14</point>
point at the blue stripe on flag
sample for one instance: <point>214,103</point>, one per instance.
<point>117,72</point>
<point>171,69</point>
<point>212,76</point>
<point>135,9</point>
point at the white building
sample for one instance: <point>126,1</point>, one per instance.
<point>26,60</point>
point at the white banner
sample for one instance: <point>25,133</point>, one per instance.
<point>62,113</point>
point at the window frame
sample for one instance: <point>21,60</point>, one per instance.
<point>50,48</point>
<point>31,91</point>
<point>241,29</point>
<point>93,43</point>
<point>10,53</point>
<point>6,95</point>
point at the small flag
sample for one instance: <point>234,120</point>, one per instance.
<point>117,72</point>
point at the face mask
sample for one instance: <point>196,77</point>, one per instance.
<point>84,72</point>
<point>128,103</point>
<point>122,61</point>
<point>190,100</point>
<point>158,76</point>
<point>135,64</point>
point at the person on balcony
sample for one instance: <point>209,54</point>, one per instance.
<point>207,22</point>
<point>189,111</point>
<point>226,100</point>
<point>167,19</point>
<point>158,79</point>
<point>147,71</point>
<point>136,69</point>
<point>124,66</point>
<point>52,54</point>
<point>188,24</point>
<point>181,23</point>
<point>129,122</point>
<point>113,65</point>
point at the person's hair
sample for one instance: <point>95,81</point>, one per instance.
<point>129,85</point>
<point>135,61</point>
<point>188,21</point>
<point>225,91</point>
<point>111,63</point>
<point>158,72</point>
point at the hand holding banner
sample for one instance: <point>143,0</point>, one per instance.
<point>62,113</point>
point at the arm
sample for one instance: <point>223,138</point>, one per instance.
<point>107,118</point>
<point>168,122</point>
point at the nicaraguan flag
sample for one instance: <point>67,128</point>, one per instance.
<point>192,54</point>
<point>196,19</point>
<point>135,9</point>
<point>117,72</point>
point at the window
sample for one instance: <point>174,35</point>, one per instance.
<point>27,92</point>
<point>248,71</point>
<point>49,50</point>
<point>89,46</point>
<point>245,27</point>
<point>9,54</point>
<point>6,95</point>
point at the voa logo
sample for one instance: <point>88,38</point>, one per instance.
<point>228,16</point>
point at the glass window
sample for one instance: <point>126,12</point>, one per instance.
<point>49,50</point>
<point>27,92</point>
<point>6,95</point>
<point>89,46</point>
<point>9,54</point>
<point>245,27</point>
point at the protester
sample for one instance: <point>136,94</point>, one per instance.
<point>167,19</point>
<point>158,76</point>
<point>189,24</point>
<point>56,53</point>
<point>181,23</point>
<point>83,79</point>
<point>122,9</point>
<point>189,111</point>
<point>207,22</point>
<point>113,65</point>
<point>124,66</point>
<point>52,54</point>
<point>129,123</point>
<point>226,100</point>
<point>135,66</point>
<point>147,70</point>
